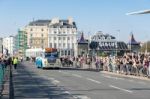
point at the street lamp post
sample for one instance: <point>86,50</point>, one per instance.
<point>88,42</point>
<point>118,31</point>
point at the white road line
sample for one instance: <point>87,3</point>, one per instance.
<point>81,97</point>
<point>76,75</point>
<point>120,89</point>
<point>55,82</point>
<point>64,73</point>
<point>106,76</point>
<point>66,92</point>
<point>114,77</point>
<point>93,80</point>
<point>46,77</point>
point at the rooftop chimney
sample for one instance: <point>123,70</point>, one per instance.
<point>55,20</point>
<point>70,20</point>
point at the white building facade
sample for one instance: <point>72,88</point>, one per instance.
<point>9,44</point>
<point>63,36</point>
<point>104,40</point>
<point>55,33</point>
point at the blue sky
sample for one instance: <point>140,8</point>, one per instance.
<point>90,15</point>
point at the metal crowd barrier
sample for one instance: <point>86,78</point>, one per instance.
<point>2,74</point>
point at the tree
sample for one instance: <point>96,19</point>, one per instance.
<point>93,45</point>
<point>145,46</point>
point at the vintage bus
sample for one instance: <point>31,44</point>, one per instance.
<point>49,58</point>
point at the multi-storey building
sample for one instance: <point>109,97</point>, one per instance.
<point>62,35</point>
<point>55,33</point>
<point>9,44</point>
<point>107,43</point>
<point>37,34</point>
<point>21,43</point>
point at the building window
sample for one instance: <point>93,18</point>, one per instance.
<point>68,52</point>
<point>50,45</point>
<point>55,32</point>
<point>31,34</point>
<point>41,35</point>
<point>65,52</point>
<point>59,45</point>
<point>68,38</point>
<point>49,38</point>
<point>54,26</point>
<point>54,38</point>
<point>68,45</point>
<point>42,41</point>
<point>62,52</point>
<point>64,38</point>
<point>59,32</point>
<point>72,45</point>
<point>42,29</point>
<point>31,29</point>
<point>55,45</point>
<point>64,45</point>
<point>59,38</point>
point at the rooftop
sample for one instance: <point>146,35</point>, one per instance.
<point>54,23</point>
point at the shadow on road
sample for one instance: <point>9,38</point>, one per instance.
<point>72,69</point>
<point>28,84</point>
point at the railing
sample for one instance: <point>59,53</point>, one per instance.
<point>6,81</point>
<point>2,74</point>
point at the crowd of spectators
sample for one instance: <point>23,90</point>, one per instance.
<point>128,64</point>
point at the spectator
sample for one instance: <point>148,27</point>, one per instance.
<point>15,62</point>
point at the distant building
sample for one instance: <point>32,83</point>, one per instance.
<point>107,43</point>
<point>37,33</point>
<point>9,44</point>
<point>21,43</point>
<point>55,33</point>
<point>63,36</point>
<point>133,45</point>
<point>83,46</point>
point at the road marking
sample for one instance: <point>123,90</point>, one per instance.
<point>64,73</point>
<point>93,80</point>
<point>81,97</point>
<point>114,77</point>
<point>120,89</point>
<point>66,92</point>
<point>55,82</point>
<point>77,75</point>
<point>59,71</point>
<point>46,77</point>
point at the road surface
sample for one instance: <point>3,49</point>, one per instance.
<point>31,82</point>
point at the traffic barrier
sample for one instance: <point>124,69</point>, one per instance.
<point>2,74</point>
